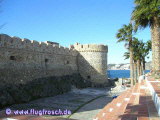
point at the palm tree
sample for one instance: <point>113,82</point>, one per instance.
<point>146,13</point>
<point>125,34</point>
<point>136,58</point>
<point>140,51</point>
<point>127,56</point>
<point>145,48</point>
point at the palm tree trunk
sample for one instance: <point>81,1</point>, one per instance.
<point>131,66</point>
<point>141,67</point>
<point>144,67</point>
<point>153,52</point>
<point>156,44</point>
<point>135,73</point>
<point>138,67</point>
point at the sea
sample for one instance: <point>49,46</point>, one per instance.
<point>120,73</point>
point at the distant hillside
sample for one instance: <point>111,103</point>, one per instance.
<point>125,66</point>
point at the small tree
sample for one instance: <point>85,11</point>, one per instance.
<point>125,34</point>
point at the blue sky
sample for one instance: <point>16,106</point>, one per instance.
<point>70,21</point>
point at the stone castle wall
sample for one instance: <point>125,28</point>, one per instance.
<point>31,69</point>
<point>92,63</point>
<point>24,60</point>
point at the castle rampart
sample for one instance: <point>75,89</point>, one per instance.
<point>32,45</point>
<point>24,62</point>
<point>92,63</point>
<point>90,48</point>
<point>39,58</point>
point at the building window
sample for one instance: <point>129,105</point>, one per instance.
<point>81,46</point>
<point>46,60</point>
<point>67,62</point>
<point>12,58</point>
<point>88,77</point>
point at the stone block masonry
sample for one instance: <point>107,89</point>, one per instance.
<point>42,65</point>
<point>92,63</point>
<point>24,60</point>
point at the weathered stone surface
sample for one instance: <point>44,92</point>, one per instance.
<point>38,88</point>
<point>92,63</point>
<point>31,69</point>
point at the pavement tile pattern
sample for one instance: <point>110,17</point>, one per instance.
<point>134,104</point>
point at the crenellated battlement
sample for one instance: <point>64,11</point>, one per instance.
<point>90,47</point>
<point>37,66</point>
<point>51,59</point>
<point>34,46</point>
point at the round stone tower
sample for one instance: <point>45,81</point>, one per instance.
<point>92,63</point>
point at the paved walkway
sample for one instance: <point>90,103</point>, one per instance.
<point>70,101</point>
<point>89,111</point>
<point>134,104</point>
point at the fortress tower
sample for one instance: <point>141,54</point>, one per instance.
<point>30,69</point>
<point>92,63</point>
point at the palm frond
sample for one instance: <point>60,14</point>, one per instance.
<point>144,13</point>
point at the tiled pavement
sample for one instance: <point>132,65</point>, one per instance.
<point>70,101</point>
<point>133,104</point>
